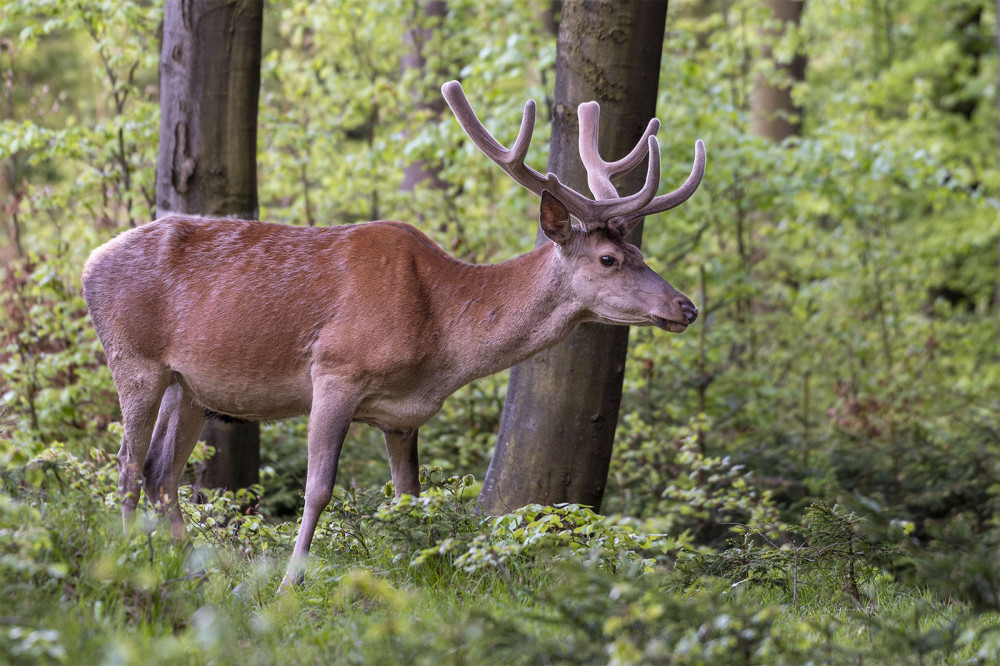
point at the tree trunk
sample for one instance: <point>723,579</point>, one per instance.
<point>426,17</point>
<point>209,85</point>
<point>775,115</point>
<point>559,418</point>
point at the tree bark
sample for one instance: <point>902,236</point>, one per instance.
<point>559,418</point>
<point>209,87</point>
<point>775,115</point>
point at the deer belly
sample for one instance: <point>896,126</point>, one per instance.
<point>276,398</point>
<point>398,412</point>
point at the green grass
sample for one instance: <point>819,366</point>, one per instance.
<point>395,583</point>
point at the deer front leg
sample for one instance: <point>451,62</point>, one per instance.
<point>329,419</point>
<point>403,464</point>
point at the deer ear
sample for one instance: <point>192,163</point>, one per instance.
<point>554,219</point>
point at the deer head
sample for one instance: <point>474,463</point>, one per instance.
<point>603,272</point>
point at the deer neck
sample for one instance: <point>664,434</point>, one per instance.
<point>501,314</point>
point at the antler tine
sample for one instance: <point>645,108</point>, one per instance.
<point>678,196</point>
<point>633,159</point>
<point>608,204</point>
<point>598,177</point>
<point>512,160</point>
<point>597,213</point>
<point>599,172</point>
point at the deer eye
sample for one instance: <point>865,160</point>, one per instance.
<point>608,260</point>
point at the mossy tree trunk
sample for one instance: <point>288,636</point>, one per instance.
<point>209,86</point>
<point>559,418</point>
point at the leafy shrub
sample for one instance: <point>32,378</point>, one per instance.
<point>830,554</point>
<point>53,382</point>
<point>551,533</point>
<point>697,495</point>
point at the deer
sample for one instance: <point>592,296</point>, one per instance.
<point>371,323</point>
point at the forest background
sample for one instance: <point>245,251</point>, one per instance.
<point>810,472</point>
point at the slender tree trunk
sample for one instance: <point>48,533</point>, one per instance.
<point>548,13</point>
<point>425,18</point>
<point>559,418</point>
<point>209,86</point>
<point>775,115</point>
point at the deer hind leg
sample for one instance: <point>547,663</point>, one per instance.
<point>141,383</point>
<point>177,428</point>
<point>403,462</point>
<point>329,419</point>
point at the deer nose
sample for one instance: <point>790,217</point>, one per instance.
<point>688,310</point>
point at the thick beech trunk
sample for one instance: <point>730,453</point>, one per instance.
<point>559,419</point>
<point>209,85</point>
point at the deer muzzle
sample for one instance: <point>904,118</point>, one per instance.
<point>682,314</point>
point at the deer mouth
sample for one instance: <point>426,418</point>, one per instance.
<point>668,325</point>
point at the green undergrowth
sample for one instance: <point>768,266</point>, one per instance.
<point>427,580</point>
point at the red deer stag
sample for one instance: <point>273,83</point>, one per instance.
<point>370,322</point>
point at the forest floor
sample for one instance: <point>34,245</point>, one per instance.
<point>424,580</point>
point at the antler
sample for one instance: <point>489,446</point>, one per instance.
<point>600,173</point>
<point>607,207</point>
<point>678,196</point>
